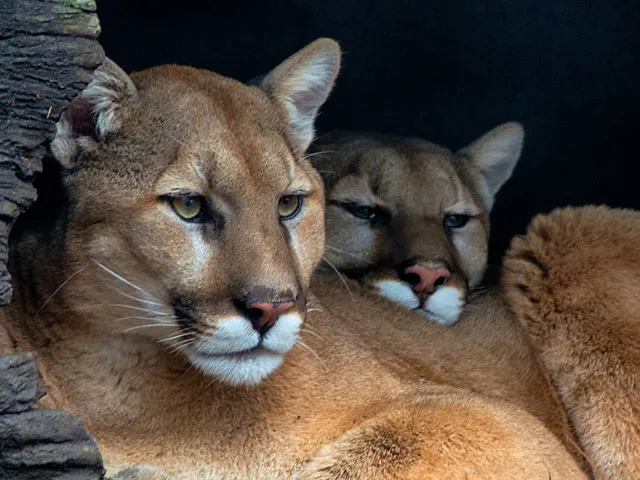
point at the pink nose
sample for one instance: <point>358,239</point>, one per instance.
<point>428,279</point>
<point>266,314</point>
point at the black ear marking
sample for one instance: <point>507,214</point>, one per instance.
<point>80,116</point>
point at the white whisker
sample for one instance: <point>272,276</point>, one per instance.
<point>121,278</point>
<point>358,257</point>
<point>149,326</point>
<point>341,277</point>
<point>60,288</point>
<point>310,350</point>
<point>140,317</point>
<point>175,337</point>
<point>309,155</point>
<point>311,333</point>
<point>181,345</point>
<point>122,305</point>
<point>139,299</point>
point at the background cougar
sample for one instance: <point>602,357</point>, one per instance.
<point>164,302</point>
<point>410,219</point>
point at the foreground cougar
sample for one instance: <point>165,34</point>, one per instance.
<point>165,301</point>
<point>410,219</point>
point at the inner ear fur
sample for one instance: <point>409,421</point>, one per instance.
<point>495,155</point>
<point>94,114</point>
<point>302,83</point>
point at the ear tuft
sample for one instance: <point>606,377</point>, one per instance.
<point>94,114</point>
<point>108,92</point>
<point>495,155</point>
<point>302,83</point>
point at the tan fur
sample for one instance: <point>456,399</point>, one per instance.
<point>414,184</point>
<point>356,399</point>
<point>574,283</point>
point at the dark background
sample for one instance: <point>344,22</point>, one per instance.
<point>447,71</point>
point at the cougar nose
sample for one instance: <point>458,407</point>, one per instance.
<point>424,279</point>
<point>264,315</point>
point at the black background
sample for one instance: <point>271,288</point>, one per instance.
<point>446,71</point>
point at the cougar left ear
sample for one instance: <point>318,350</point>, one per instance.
<point>302,83</point>
<point>495,155</point>
<point>94,114</point>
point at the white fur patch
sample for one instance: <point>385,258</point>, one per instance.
<point>398,292</point>
<point>241,369</point>
<point>64,147</point>
<point>284,334</point>
<point>445,305</point>
<point>231,335</point>
<point>201,248</point>
<point>224,353</point>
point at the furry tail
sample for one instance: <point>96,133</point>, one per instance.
<point>574,282</point>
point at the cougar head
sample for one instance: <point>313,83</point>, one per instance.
<point>410,219</point>
<point>192,207</point>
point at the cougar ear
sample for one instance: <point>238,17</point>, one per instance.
<point>495,155</point>
<point>302,84</point>
<point>94,114</point>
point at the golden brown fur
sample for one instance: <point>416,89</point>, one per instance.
<point>99,294</point>
<point>574,283</point>
<point>411,189</point>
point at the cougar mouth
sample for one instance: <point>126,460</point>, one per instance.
<point>235,353</point>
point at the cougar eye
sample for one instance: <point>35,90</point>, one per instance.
<point>362,211</point>
<point>187,208</point>
<point>289,206</point>
<point>455,221</point>
<point>376,215</point>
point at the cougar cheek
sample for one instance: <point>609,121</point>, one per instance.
<point>307,240</point>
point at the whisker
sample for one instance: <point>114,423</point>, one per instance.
<point>358,257</point>
<point>122,305</point>
<point>311,333</point>
<point>309,155</point>
<point>181,345</point>
<point>341,277</point>
<point>309,349</point>
<point>174,337</point>
<point>139,317</point>
<point>122,279</point>
<point>60,288</point>
<point>149,326</point>
<point>138,299</point>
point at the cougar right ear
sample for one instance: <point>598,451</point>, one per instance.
<point>94,114</point>
<point>301,84</point>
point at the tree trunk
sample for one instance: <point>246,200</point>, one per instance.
<point>48,52</point>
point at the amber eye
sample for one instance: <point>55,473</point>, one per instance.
<point>289,206</point>
<point>187,208</point>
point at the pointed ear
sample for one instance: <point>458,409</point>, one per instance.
<point>302,84</point>
<point>94,114</point>
<point>495,155</point>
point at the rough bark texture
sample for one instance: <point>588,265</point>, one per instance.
<point>40,443</point>
<point>48,51</point>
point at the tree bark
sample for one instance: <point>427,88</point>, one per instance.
<point>48,52</point>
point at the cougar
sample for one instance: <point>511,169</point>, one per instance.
<point>168,302</point>
<point>410,219</point>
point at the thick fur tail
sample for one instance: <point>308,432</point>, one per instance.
<point>574,282</point>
